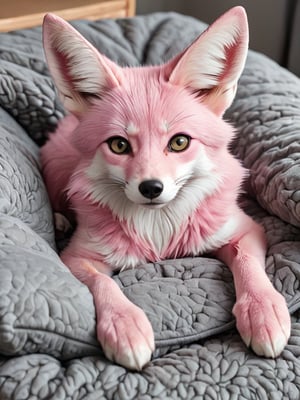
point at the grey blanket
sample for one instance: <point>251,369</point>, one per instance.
<point>48,346</point>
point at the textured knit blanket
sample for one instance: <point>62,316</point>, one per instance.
<point>48,346</point>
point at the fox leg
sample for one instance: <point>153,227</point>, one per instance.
<point>124,331</point>
<point>261,313</point>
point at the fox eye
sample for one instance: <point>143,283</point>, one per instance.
<point>119,145</point>
<point>179,142</point>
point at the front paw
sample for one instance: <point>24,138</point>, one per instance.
<point>61,223</point>
<point>126,335</point>
<point>263,321</point>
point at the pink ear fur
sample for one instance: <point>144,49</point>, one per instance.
<point>79,71</point>
<point>213,64</point>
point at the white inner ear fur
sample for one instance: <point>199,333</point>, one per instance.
<point>203,64</point>
<point>213,64</point>
<point>78,70</point>
<point>86,73</point>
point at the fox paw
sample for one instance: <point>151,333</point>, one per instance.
<point>61,223</point>
<point>263,321</point>
<point>126,336</point>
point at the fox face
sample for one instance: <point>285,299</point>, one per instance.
<point>154,150</point>
<point>151,145</point>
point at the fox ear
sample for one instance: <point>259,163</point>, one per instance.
<point>213,63</point>
<point>79,71</point>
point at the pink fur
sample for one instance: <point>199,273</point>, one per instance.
<point>119,226</point>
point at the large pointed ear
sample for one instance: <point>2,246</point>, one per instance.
<point>79,71</point>
<point>213,63</point>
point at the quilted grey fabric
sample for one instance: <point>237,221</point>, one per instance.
<point>267,115</point>
<point>48,347</point>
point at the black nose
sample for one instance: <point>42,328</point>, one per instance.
<point>151,188</point>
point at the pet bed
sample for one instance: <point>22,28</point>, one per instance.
<point>48,347</point>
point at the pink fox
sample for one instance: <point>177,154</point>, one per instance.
<point>143,162</point>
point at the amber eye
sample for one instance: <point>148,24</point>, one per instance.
<point>179,143</point>
<point>119,145</point>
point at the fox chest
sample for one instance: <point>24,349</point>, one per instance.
<point>150,238</point>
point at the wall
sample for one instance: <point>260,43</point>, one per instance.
<point>268,19</point>
<point>148,6</point>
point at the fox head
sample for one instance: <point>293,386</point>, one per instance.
<point>150,135</point>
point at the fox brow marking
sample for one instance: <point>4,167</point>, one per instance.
<point>131,128</point>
